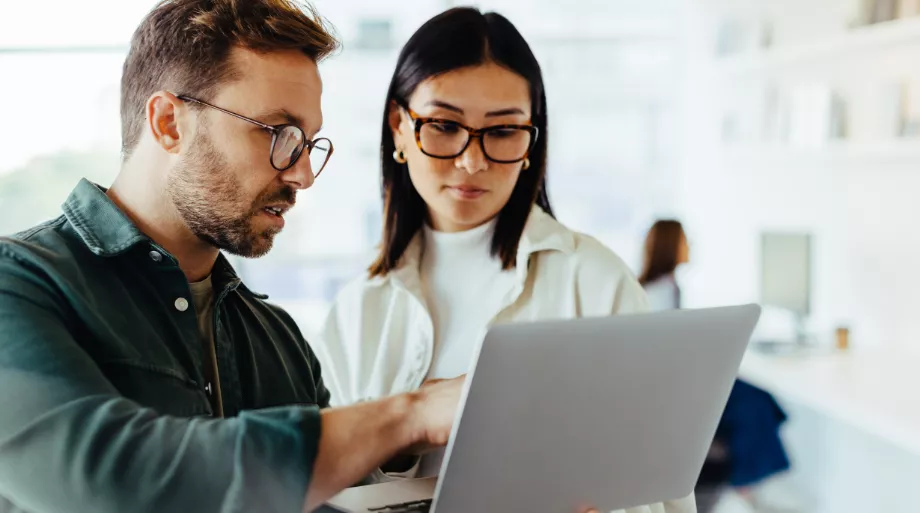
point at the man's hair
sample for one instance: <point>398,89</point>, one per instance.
<point>184,46</point>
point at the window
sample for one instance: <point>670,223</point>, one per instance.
<point>609,69</point>
<point>61,123</point>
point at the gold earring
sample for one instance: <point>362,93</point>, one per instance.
<point>399,156</point>
<point>526,165</point>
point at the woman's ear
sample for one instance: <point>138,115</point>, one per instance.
<point>395,118</point>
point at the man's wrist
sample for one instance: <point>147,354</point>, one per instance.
<point>407,425</point>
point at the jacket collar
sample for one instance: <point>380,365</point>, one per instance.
<point>541,233</point>
<point>107,231</point>
<point>104,228</point>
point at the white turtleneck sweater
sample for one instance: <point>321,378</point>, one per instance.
<point>464,286</point>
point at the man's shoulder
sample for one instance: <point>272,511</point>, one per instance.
<point>47,244</point>
<point>43,263</point>
<point>263,304</point>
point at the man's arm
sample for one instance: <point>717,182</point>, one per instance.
<point>99,452</point>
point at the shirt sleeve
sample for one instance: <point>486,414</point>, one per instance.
<point>70,442</point>
<point>335,350</point>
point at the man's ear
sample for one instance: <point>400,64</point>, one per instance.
<point>164,113</point>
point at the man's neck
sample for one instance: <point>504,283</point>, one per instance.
<point>153,214</point>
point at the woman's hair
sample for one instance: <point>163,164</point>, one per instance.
<point>662,250</point>
<point>455,39</point>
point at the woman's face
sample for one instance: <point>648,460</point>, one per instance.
<point>683,250</point>
<point>466,191</point>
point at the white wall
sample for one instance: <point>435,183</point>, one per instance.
<point>858,199</point>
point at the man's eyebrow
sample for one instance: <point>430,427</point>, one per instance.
<point>283,114</point>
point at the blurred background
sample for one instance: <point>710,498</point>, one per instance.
<point>785,135</point>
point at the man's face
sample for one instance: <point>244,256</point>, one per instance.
<point>224,182</point>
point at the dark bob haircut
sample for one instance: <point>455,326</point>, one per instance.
<point>455,39</point>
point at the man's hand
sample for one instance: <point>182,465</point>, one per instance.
<point>359,438</point>
<point>439,401</point>
<point>434,412</point>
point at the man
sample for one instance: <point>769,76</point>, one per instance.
<point>137,372</point>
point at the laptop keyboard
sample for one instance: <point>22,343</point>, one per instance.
<point>406,507</point>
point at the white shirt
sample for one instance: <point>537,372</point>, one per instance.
<point>663,294</point>
<point>379,337</point>
<point>463,285</point>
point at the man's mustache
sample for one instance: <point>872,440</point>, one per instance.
<point>285,195</point>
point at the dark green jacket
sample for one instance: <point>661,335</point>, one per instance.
<point>103,406</point>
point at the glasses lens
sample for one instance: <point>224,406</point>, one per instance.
<point>443,139</point>
<point>319,155</point>
<point>289,144</point>
<point>507,144</point>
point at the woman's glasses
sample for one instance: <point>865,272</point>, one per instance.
<point>288,142</point>
<point>446,139</point>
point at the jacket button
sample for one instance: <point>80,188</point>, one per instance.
<point>181,304</point>
<point>156,256</point>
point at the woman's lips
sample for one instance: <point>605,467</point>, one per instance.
<point>466,192</point>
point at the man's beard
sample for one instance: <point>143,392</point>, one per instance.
<point>210,201</point>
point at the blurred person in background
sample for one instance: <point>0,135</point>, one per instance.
<point>469,237</point>
<point>666,248</point>
<point>747,449</point>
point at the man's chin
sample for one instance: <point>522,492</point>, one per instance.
<point>256,247</point>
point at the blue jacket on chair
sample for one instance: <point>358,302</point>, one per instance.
<point>750,431</point>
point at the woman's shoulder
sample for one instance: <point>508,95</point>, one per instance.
<point>585,254</point>
<point>593,253</point>
<point>599,277</point>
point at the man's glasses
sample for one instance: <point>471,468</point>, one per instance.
<point>446,139</point>
<point>288,142</point>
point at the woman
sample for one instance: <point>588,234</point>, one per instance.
<point>469,238</point>
<point>665,249</point>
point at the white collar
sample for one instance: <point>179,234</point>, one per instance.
<point>541,233</point>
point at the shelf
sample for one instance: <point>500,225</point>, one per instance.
<point>880,155</point>
<point>855,43</point>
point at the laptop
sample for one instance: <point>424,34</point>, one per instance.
<point>613,412</point>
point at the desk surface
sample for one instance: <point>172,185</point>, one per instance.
<point>876,392</point>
